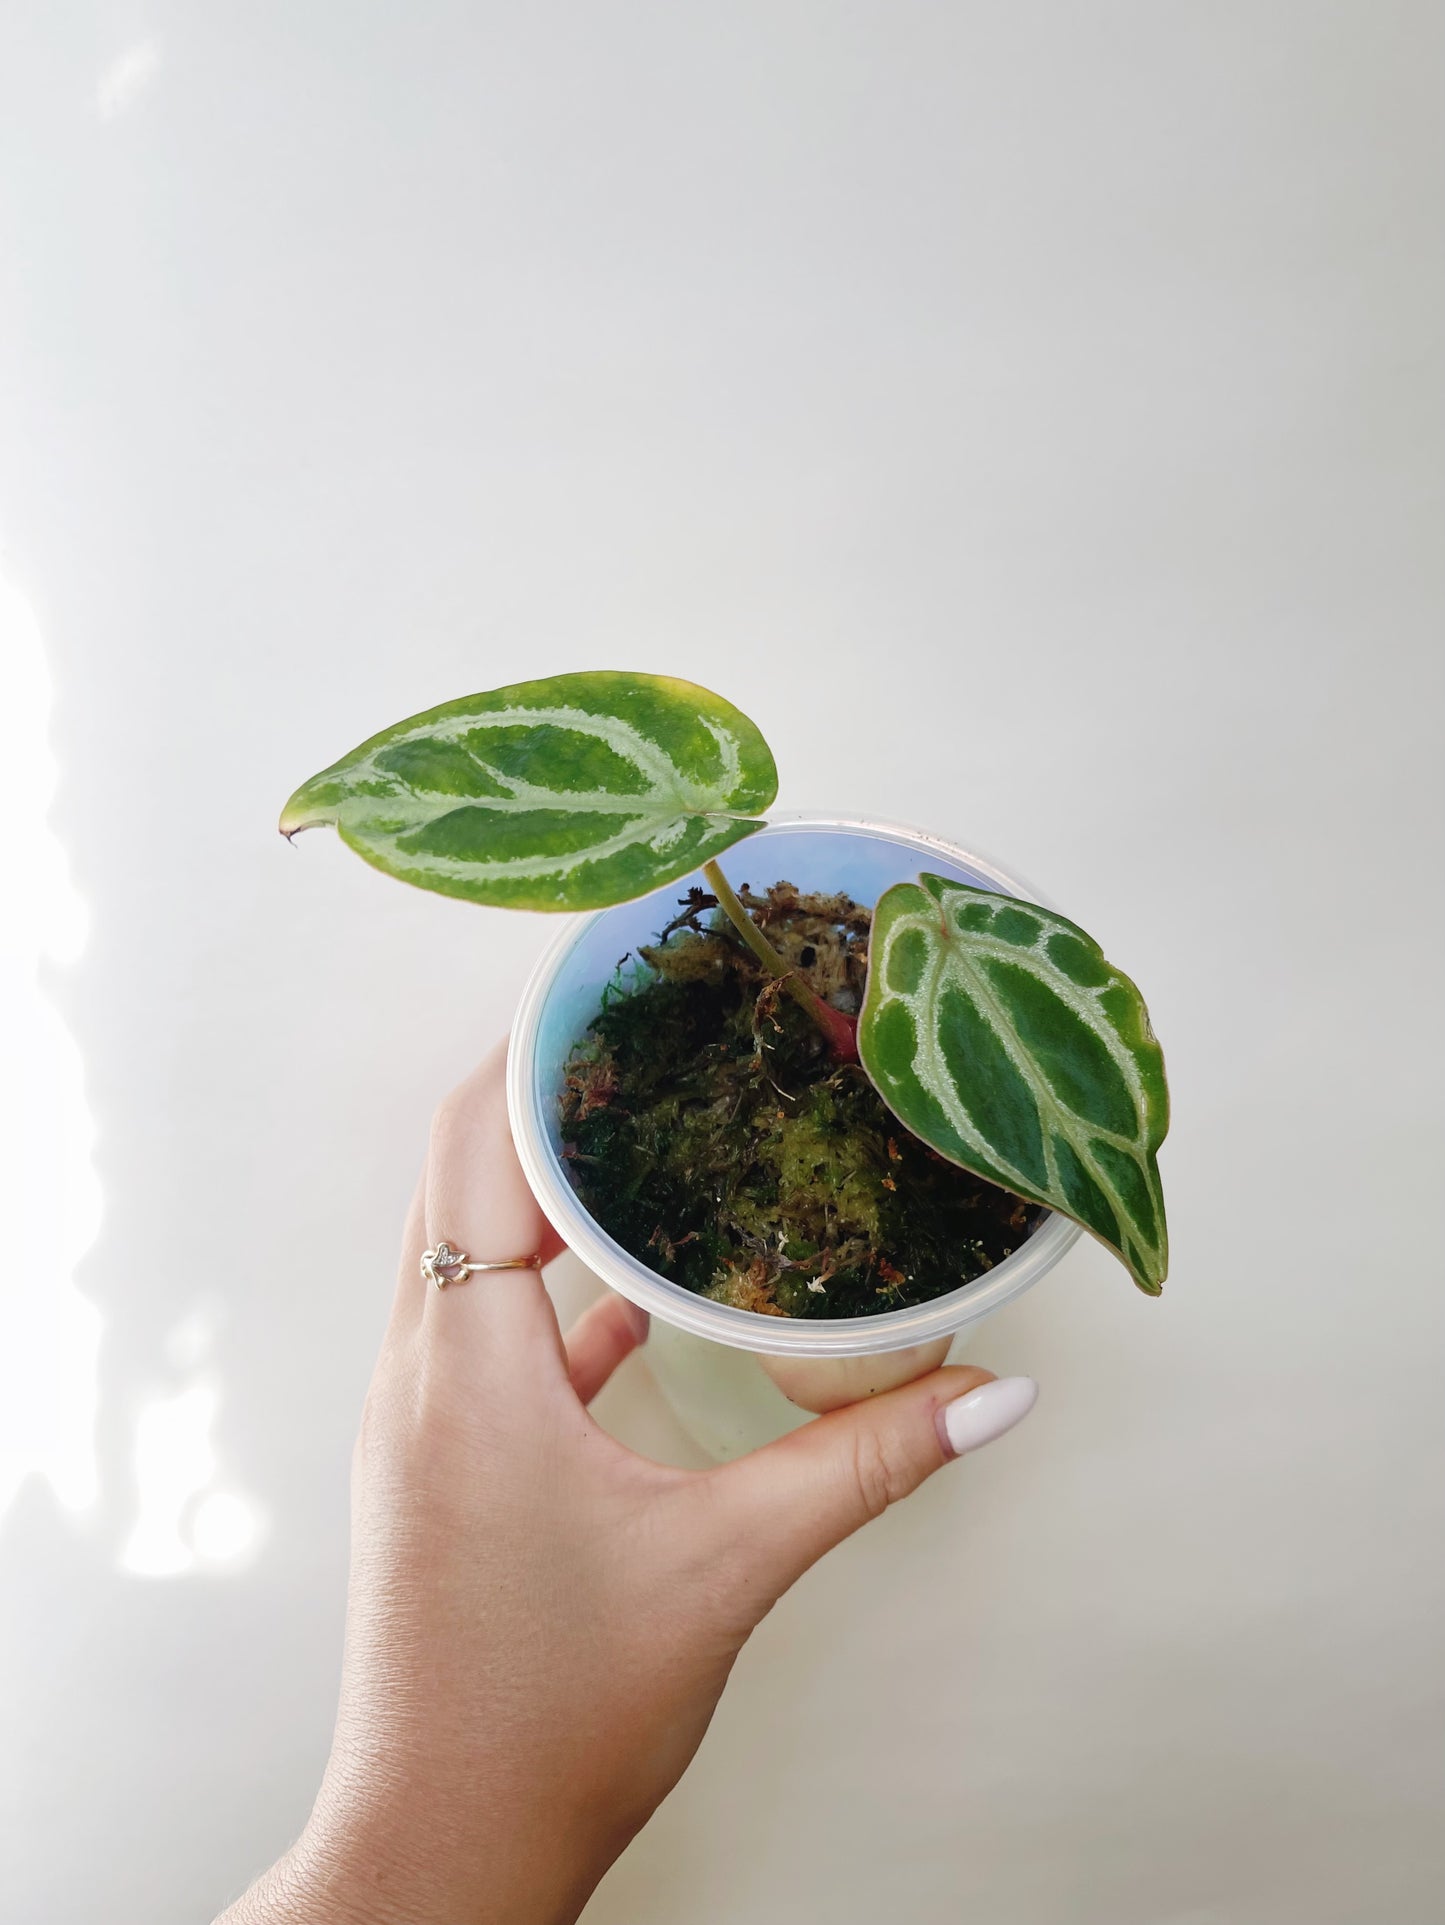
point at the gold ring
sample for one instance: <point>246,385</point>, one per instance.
<point>444,1265</point>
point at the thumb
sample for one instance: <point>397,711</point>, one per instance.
<point>796,1498</point>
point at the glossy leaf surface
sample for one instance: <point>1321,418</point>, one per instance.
<point>569,793</point>
<point>999,1033</point>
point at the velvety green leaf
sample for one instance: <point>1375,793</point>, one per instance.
<point>997,1032</point>
<point>569,793</point>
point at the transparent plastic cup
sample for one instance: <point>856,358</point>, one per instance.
<point>726,1400</point>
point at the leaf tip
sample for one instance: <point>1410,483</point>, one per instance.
<point>1149,1281</point>
<point>304,811</point>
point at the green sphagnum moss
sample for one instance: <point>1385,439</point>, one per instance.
<point>711,1132</point>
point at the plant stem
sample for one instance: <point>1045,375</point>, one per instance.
<point>839,1028</point>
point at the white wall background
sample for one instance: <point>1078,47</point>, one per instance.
<point>1031,414</point>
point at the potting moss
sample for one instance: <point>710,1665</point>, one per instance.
<point>709,1131</point>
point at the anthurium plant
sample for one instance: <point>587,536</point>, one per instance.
<point>993,1030</point>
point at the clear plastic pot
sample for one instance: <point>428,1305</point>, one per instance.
<point>712,1393</point>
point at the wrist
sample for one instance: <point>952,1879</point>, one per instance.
<point>299,1889</point>
<point>359,1868</point>
<point>323,1881</point>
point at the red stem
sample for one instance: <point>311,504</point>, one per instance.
<point>839,1029</point>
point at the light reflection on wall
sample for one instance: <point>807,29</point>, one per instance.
<point>127,78</point>
<point>185,1521</point>
<point>50,1202</point>
<point>184,1524</point>
<point>49,1196</point>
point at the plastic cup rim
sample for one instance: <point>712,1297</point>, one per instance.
<point>722,1323</point>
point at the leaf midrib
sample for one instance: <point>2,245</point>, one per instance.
<point>670,793</point>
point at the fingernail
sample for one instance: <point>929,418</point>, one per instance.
<point>983,1414</point>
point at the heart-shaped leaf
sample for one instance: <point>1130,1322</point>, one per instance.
<point>997,1032</point>
<point>569,793</point>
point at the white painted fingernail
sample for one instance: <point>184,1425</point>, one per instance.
<point>983,1414</point>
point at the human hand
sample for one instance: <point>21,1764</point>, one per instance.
<point>541,1622</point>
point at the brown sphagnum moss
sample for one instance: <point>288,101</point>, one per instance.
<point>712,1133</point>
